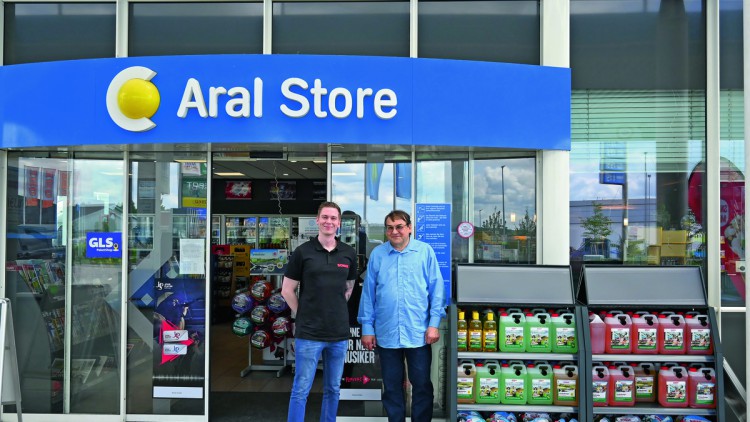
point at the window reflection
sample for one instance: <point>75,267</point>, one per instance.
<point>505,210</point>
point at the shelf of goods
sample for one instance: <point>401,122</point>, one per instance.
<point>652,343</point>
<point>526,359</point>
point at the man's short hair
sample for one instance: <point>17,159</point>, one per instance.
<point>398,215</point>
<point>329,205</point>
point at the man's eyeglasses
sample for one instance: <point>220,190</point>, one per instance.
<point>395,228</point>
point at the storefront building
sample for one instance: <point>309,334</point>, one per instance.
<point>564,132</point>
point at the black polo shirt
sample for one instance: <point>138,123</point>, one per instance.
<point>322,314</point>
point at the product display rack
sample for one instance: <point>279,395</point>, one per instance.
<point>526,286</point>
<point>655,289</point>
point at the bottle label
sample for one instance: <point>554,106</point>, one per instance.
<point>490,341</point>
<point>644,387</point>
<point>475,340</point>
<point>676,392</point>
<point>539,337</point>
<point>465,388</point>
<point>488,388</point>
<point>566,337</point>
<point>646,339</point>
<point>624,390</point>
<point>541,388</point>
<point>600,391</point>
<point>514,336</point>
<point>620,338</point>
<point>462,340</point>
<point>705,392</point>
<point>566,390</point>
<point>514,388</point>
<point>700,339</point>
<point>673,339</point>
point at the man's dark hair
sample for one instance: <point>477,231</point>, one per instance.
<point>329,205</point>
<point>398,215</point>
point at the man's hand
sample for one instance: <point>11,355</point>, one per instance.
<point>368,342</point>
<point>432,335</point>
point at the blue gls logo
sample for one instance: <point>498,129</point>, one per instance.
<point>103,245</point>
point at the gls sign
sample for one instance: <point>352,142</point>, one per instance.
<point>103,245</point>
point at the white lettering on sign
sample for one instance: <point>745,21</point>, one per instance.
<point>240,102</point>
<point>101,242</point>
<point>383,104</point>
<point>237,105</point>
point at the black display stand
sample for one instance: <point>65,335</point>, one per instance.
<point>526,286</point>
<point>649,288</point>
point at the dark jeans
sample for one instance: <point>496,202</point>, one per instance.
<point>418,361</point>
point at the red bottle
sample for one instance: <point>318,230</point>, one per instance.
<point>617,333</point>
<point>698,335</point>
<point>645,334</point>
<point>600,385</point>
<point>671,334</point>
<point>702,388</point>
<point>673,386</point>
<point>621,386</point>
<point>596,327</point>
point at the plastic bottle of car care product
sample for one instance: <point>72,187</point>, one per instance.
<point>702,388</point>
<point>511,332</point>
<point>673,386</point>
<point>467,373</point>
<point>671,334</point>
<point>475,333</point>
<point>489,334</point>
<point>600,385</point>
<point>513,385</point>
<point>487,384</point>
<point>597,331</point>
<point>621,386</point>
<point>645,331</point>
<point>698,335</point>
<point>538,333</point>
<point>463,333</point>
<point>564,336</point>
<point>565,388</point>
<point>540,383</point>
<point>617,333</point>
<point>645,382</point>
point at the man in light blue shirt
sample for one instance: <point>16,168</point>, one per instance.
<point>400,310</point>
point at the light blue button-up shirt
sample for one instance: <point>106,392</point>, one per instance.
<point>402,295</point>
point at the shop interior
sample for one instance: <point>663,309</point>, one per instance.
<point>262,208</point>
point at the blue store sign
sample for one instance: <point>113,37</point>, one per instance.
<point>104,245</point>
<point>285,99</point>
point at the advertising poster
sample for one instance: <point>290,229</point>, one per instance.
<point>268,261</point>
<point>361,379</point>
<point>194,187</point>
<point>433,226</point>
<point>179,333</point>
<point>234,190</point>
<point>283,190</point>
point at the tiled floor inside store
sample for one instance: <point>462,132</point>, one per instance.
<point>229,356</point>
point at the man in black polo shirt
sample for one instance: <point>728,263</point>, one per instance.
<point>325,270</point>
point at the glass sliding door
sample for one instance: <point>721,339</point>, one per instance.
<point>63,279</point>
<point>95,290</point>
<point>166,284</point>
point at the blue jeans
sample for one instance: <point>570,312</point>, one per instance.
<point>307,354</point>
<point>418,362</point>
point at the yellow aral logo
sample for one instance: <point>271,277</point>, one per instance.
<point>132,99</point>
